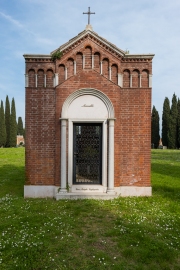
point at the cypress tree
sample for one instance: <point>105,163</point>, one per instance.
<point>7,121</point>
<point>165,121</point>
<point>13,125</point>
<point>172,133</point>
<point>20,130</point>
<point>178,124</point>
<point>155,127</point>
<point>2,126</point>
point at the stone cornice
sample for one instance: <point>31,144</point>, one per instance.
<point>110,47</point>
<point>37,56</point>
<point>137,56</point>
<point>94,37</point>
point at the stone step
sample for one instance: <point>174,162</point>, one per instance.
<point>87,195</point>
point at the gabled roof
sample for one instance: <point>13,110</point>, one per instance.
<point>88,32</point>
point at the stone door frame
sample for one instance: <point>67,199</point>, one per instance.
<point>67,119</point>
<point>97,188</point>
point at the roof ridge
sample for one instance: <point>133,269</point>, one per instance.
<point>83,33</point>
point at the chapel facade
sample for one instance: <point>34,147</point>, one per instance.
<point>88,121</point>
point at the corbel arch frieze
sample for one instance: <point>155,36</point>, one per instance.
<point>79,52</point>
<point>136,70</point>
<point>146,78</point>
<point>112,63</point>
<point>127,70</point>
<point>70,67</point>
<point>88,45</point>
<point>145,70</point>
<point>127,78</point>
<point>31,69</point>
<point>97,52</point>
<point>49,69</point>
<point>40,69</point>
<point>62,63</point>
<point>105,58</point>
<point>70,59</point>
<point>85,47</point>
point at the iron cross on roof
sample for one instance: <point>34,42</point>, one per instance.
<point>89,13</point>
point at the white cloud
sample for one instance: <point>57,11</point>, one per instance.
<point>11,20</point>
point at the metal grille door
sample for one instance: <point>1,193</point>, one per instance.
<point>87,153</point>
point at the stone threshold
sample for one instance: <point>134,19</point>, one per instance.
<point>82,196</point>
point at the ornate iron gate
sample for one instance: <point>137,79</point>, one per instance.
<point>87,153</point>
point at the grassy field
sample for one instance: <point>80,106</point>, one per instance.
<point>125,233</point>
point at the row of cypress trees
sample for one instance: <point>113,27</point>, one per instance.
<point>9,128</point>
<point>170,124</point>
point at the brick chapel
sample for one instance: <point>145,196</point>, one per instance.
<point>88,121</point>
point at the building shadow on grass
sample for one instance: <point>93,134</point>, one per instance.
<point>172,193</point>
<point>167,182</point>
<point>12,180</point>
<point>170,170</point>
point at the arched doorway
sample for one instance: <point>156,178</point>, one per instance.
<point>89,115</point>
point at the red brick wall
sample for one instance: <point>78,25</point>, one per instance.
<point>49,79</point>
<point>88,57</point>
<point>126,78</point>
<point>135,78</point>
<point>132,139</point>
<point>132,126</point>
<point>114,72</point>
<point>145,78</point>
<point>132,112</point>
<point>79,61</point>
<point>40,139</point>
<point>61,71</point>
<point>70,68</point>
<point>97,61</point>
<point>31,77</point>
<point>105,70</point>
<point>40,78</point>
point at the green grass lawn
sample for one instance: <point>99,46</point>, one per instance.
<point>124,233</point>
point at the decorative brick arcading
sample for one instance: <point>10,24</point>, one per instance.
<point>103,64</point>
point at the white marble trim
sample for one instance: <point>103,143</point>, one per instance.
<point>39,191</point>
<point>150,80</point>
<point>127,191</point>
<point>26,80</point>
<point>104,148</point>
<point>32,191</point>
<point>88,91</point>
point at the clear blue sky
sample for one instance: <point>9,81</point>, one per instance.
<point>40,26</point>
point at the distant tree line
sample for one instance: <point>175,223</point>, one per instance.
<point>9,128</point>
<point>170,124</point>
